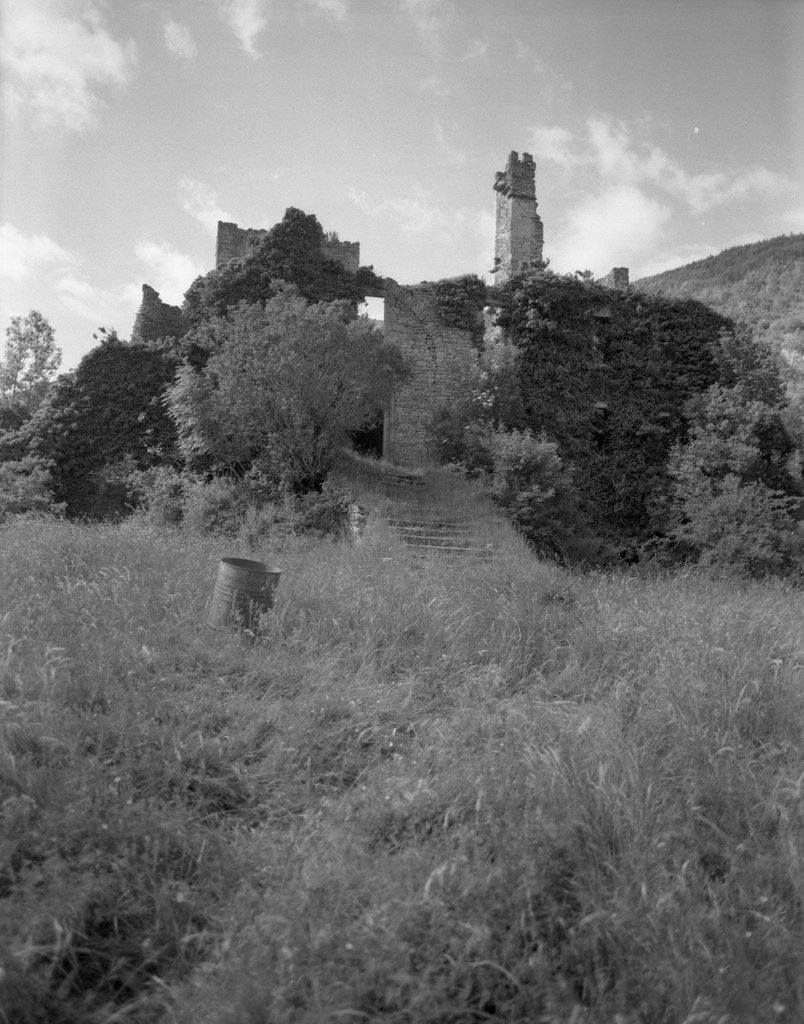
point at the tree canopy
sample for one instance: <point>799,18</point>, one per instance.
<point>283,386</point>
<point>32,358</point>
<point>291,251</point>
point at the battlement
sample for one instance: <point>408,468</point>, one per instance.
<point>234,242</point>
<point>345,253</point>
<point>519,237</point>
<point>519,177</point>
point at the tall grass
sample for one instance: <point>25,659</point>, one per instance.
<point>429,791</point>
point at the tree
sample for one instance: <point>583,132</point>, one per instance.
<point>735,502</point>
<point>284,385</point>
<point>290,251</point>
<point>31,359</point>
<point>109,408</point>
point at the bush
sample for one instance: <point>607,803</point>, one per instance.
<point>159,494</point>
<point>534,489</point>
<point>490,401</point>
<point>283,388</point>
<point>735,504</point>
<point>26,486</point>
<point>217,506</point>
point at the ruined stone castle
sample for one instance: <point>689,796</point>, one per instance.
<point>439,354</point>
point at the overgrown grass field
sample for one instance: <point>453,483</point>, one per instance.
<point>429,791</point>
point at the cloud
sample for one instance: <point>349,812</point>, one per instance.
<point>56,56</point>
<point>199,200</point>
<point>454,154</point>
<point>430,19</point>
<point>551,82</point>
<point>178,39</point>
<point>337,9</point>
<point>246,19</point>
<point>464,230</point>
<point>478,50</point>
<point>608,150</point>
<point>413,216</point>
<point>84,298</point>
<point>54,270</point>
<point>616,227</point>
<point>629,193</point>
<point>555,143</point>
<point>170,272</point>
<point>24,255</point>
<point>437,86</point>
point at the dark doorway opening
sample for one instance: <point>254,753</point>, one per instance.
<point>368,440</point>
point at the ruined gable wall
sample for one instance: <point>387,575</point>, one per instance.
<point>617,277</point>
<point>440,356</point>
<point>156,319</point>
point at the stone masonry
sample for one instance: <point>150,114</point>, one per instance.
<point>440,355</point>
<point>519,234</point>
<point>233,241</point>
<point>617,277</point>
<point>156,319</point>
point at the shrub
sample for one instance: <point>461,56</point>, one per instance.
<point>159,494</point>
<point>26,486</point>
<point>217,506</point>
<point>284,386</point>
<point>107,409</point>
<point>490,400</point>
<point>534,488</point>
<point>735,504</point>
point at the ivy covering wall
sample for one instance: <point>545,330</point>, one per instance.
<point>108,409</point>
<point>606,373</point>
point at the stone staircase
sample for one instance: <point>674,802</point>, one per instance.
<point>428,527</point>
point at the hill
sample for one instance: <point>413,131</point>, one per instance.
<point>761,284</point>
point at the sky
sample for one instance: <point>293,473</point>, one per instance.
<point>663,131</point>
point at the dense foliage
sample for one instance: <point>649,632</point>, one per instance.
<point>283,386</point>
<point>606,373</point>
<point>761,284</point>
<point>459,302</point>
<point>32,358</point>
<point>108,409</point>
<point>291,252</point>
<point>736,497</point>
<point>624,386</point>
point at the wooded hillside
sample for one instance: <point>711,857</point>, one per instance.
<point>761,284</point>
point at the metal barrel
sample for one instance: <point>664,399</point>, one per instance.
<point>244,590</point>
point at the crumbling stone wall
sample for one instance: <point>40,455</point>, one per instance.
<point>440,358</point>
<point>519,231</point>
<point>440,355</point>
<point>617,277</point>
<point>156,319</point>
<point>233,241</point>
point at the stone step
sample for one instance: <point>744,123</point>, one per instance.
<point>422,526</point>
<point>437,540</point>
<point>428,551</point>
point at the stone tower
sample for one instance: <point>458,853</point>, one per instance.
<point>520,235</point>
